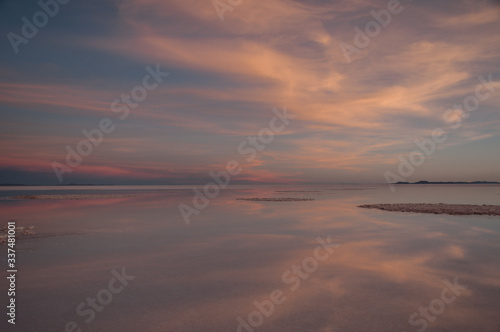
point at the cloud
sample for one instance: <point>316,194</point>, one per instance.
<point>226,77</point>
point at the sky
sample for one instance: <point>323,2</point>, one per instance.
<point>176,88</point>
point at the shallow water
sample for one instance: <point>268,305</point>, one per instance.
<point>205,275</point>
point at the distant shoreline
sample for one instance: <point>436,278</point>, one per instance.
<point>448,182</point>
<point>239,184</point>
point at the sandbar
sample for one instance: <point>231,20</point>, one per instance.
<point>271,199</point>
<point>440,208</point>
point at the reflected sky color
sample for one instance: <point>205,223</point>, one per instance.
<point>202,277</point>
<point>352,121</point>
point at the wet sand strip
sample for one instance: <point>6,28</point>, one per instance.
<point>452,209</point>
<point>271,199</point>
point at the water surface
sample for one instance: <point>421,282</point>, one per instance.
<point>205,275</point>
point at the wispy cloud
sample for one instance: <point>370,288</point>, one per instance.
<point>226,77</point>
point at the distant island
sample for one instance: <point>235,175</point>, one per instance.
<point>449,182</point>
